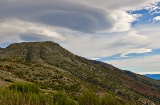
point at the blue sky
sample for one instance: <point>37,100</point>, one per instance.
<point>147,15</point>
<point>124,33</point>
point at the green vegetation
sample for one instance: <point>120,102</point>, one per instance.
<point>89,98</point>
<point>30,94</point>
<point>24,88</point>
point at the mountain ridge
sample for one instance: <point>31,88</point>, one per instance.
<point>52,67</point>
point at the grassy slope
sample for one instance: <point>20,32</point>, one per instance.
<point>30,94</point>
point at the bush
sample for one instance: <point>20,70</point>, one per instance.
<point>109,100</point>
<point>88,98</point>
<point>61,98</point>
<point>19,73</point>
<point>24,88</point>
<point>11,97</point>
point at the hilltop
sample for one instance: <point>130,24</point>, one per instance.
<point>54,68</point>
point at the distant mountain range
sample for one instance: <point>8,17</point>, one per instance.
<point>153,76</point>
<point>54,68</point>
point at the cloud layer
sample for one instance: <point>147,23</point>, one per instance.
<point>89,28</point>
<point>141,65</point>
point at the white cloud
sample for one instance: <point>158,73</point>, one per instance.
<point>12,30</point>
<point>157,18</point>
<point>94,58</point>
<point>121,21</point>
<point>153,6</point>
<point>135,37</point>
<point>152,32</point>
<point>120,4</point>
<point>137,51</point>
<point>141,65</point>
<point>137,16</point>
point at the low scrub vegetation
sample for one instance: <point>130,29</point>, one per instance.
<point>30,94</point>
<point>24,88</point>
<point>89,98</point>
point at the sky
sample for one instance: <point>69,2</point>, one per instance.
<point>124,33</point>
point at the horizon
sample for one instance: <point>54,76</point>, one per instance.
<point>122,33</point>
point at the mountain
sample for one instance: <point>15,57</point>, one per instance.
<point>1,48</point>
<point>53,68</point>
<point>154,76</point>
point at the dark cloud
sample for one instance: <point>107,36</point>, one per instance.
<point>74,16</point>
<point>34,37</point>
<point>88,23</point>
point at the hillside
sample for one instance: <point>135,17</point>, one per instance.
<point>53,68</point>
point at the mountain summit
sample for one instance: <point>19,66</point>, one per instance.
<point>33,51</point>
<point>52,67</point>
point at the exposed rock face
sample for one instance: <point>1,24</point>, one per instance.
<point>146,102</point>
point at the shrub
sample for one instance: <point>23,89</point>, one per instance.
<point>24,88</point>
<point>88,98</point>
<point>61,98</point>
<point>109,100</point>
<point>19,73</point>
